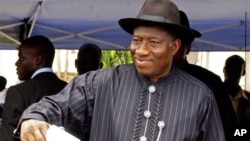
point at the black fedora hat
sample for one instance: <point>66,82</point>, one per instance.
<point>158,12</point>
<point>185,22</point>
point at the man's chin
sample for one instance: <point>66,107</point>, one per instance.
<point>22,78</point>
<point>144,71</point>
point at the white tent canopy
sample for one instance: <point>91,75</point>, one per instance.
<point>70,23</point>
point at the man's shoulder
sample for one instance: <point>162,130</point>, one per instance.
<point>202,70</point>
<point>118,70</point>
<point>107,73</point>
<point>47,76</point>
<point>247,93</point>
<point>202,74</point>
<point>31,83</point>
<point>189,79</point>
<point>20,87</point>
<point>186,81</point>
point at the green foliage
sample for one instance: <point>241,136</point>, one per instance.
<point>112,58</point>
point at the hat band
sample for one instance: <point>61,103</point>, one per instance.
<point>154,18</point>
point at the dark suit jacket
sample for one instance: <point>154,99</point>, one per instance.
<point>244,111</point>
<point>214,82</point>
<point>244,115</point>
<point>20,96</point>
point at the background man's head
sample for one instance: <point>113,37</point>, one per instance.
<point>185,48</point>
<point>89,58</point>
<point>234,68</point>
<point>34,53</point>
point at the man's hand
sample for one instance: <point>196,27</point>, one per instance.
<point>33,130</point>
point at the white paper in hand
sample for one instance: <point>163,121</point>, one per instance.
<point>55,133</point>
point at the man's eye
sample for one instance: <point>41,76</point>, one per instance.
<point>154,43</point>
<point>136,41</point>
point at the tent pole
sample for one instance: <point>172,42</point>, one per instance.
<point>11,25</point>
<point>245,31</point>
<point>246,58</point>
<point>101,41</point>
<point>10,38</point>
<point>35,18</point>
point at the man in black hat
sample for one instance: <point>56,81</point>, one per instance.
<point>149,100</point>
<point>212,80</point>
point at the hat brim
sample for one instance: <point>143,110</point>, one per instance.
<point>196,33</point>
<point>129,24</point>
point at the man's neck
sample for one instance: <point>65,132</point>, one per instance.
<point>231,88</point>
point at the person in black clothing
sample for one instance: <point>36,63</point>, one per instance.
<point>233,70</point>
<point>34,67</point>
<point>212,80</point>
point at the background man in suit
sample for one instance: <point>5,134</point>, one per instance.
<point>209,78</point>
<point>34,66</point>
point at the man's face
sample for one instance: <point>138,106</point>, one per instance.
<point>26,63</point>
<point>234,73</point>
<point>152,49</point>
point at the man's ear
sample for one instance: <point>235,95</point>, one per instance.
<point>176,44</point>
<point>39,59</point>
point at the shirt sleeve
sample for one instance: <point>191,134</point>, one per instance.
<point>70,108</point>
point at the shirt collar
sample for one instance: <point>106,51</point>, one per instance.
<point>245,95</point>
<point>40,71</point>
<point>240,94</point>
<point>167,76</point>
